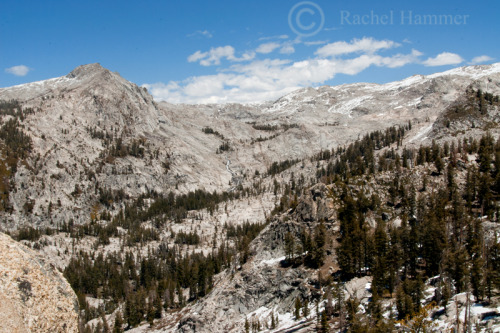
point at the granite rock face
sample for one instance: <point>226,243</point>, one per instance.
<point>75,118</point>
<point>264,285</point>
<point>34,296</point>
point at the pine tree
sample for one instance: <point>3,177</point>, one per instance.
<point>484,194</point>
<point>485,152</point>
<point>117,328</point>
<point>379,271</point>
<point>150,315</point>
<point>433,236</point>
<point>305,308</point>
<point>289,246</point>
<point>446,294</point>
<point>477,268</point>
<point>318,251</point>
<point>130,311</point>
<point>105,326</point>
<point>375,308</point>
<point>493,264</point>
<point>438,163</point>
<point>158,307</point>
<point>404,303</point>
<point>247,326</point>
<point>298,306</point>
<point>325,327</point>
<point>349,251</point>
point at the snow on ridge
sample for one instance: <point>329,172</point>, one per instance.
<point>474,72</point>
<point>346,107</point>
<point>56,80</point>
<point>291,101</point>
<point>403,83</point>
<point>38,88</point>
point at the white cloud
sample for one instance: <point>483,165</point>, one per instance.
<point>214,56</point>
<point>445,58</point>
<point>274,37</point>
<point>364,45</point>
<point>201,33</point>
<point>267,47</point>
<point>20,70</point>
<point>480,60</point>
<point>400,60</point>
<point>284,48</point>
<point>198,55</point>
<point>269,79</point>
<point>316,42</point>
<point>249,79</point>
<point>287,49</point>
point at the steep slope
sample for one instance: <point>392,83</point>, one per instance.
<point>412,215</point>
<point>93,132</point>
<point>266,286</point>
<point>104,154</point>
<point>34,296</point>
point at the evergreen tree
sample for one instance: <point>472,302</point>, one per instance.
<point>318,246</point>
<point>105,326</point>
<point>157,307</point>
<point>439,164</point>
<point>404,303</point>
<point>289,246</point>
<point>118,326</point>
<point>325,327</point>
<point>485,153</point>
<point>247,326</point>
<point>380,269</point>
<point>150,314</point>
<point>348,252</point>
<point>446,294</point>
<point>475,245</point>
<point>298,306</point>
<point>305,308</point>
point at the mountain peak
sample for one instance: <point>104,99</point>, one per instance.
<point>87,70</point>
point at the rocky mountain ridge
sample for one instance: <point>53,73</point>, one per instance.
<point>102,150</point>
<point>81,116</point>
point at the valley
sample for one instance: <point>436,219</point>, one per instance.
<point>354,208</point>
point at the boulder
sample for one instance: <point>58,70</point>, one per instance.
<point>34,295</point>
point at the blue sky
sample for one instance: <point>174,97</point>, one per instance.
<point>244,51</point>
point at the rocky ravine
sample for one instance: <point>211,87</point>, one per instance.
<point>262,287</point>
<point>34,296</point>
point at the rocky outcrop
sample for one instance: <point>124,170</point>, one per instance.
<point>34,296</point>
<point>266,285</point>
<point>316,205</point>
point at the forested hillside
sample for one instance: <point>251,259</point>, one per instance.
<point>358,208</point>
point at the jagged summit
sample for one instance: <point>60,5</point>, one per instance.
<point>88,69</point>
<point>84,76</point>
